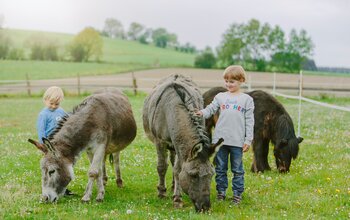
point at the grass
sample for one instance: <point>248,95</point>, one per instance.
<point>316,188</point>
<point>118,56</point>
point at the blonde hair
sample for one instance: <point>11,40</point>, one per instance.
<point>235,72</point>
<point>53,93</point>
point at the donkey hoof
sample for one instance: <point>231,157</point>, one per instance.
<point>178,204</point>
<point>99,199</point>
<point>85,200</point>
<point>119,183</point>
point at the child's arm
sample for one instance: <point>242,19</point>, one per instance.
<point>40,126</point>
<point>249,124</point>
<point>210,110</point>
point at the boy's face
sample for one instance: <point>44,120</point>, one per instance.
<point>52,104</point>
<point>232,85</point>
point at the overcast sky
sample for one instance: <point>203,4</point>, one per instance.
<point>200,22</point>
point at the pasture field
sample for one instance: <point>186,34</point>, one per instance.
<point>317,187</point>
<point>118,56</point>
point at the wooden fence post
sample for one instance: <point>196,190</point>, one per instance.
<point>78,84</point>
<point>134,84</point>
<point>28,85</point>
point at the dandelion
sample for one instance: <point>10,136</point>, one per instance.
<point>129,211</point>
<point>328,179</point>
<point>337,190</point>
<point>319,191</point>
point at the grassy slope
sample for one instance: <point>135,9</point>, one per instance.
<point>118,56</point>
<point>316,188</point>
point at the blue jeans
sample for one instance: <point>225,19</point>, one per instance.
<point>221,160</point>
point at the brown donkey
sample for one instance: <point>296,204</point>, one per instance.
<point>102,124</point>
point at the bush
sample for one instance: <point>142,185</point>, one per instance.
<point>205,60</point>
<point>16,54</point>
<point>5,44</point>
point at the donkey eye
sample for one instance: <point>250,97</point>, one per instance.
<point>51,172</point>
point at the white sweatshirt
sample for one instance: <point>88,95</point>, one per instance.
<point>236,121</point>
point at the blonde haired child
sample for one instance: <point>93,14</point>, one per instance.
<point>235,125</point>
<point>52,113</point>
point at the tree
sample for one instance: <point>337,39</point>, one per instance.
<point>5,44</point>
<point>295,53</point>
<point>135,31</point>
<point>231,47</point>
<point>205,59</point>
<point>42,47</point>
<point>161,38</point>
<point>86,44</point>
<point>113,28</point>
<point>260,47</point>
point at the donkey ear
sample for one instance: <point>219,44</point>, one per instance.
<point>215,147</point>
<point>196,150</point>
<point>300,139</point>
<point>48,144</point>
<point>40,146</point>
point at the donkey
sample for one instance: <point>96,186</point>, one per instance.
<point>170,123</point>
<point>102,124</point>
<point>272,123</point>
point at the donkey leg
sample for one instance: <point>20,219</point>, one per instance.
<point>88,189</point>
<point>96,172</point>
<point>172,161</point>
<point>105,177</point>
<point>116,160</point>
<point>177,198</point>
<point>259,155</point>
<point>162,167</point>
<point>265,153</point>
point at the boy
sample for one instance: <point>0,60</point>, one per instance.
<point>52,113</point>
<point>235,125</point>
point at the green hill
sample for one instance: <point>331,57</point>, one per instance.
<point>118,56</point>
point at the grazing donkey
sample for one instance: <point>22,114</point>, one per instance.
<point>272,123</point>
<point>170,123</point>
<point>102,124</point>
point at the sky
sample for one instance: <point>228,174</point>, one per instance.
<point>199,22</point>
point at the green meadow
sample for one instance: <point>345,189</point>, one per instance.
<point>118,56</point>
<point>317,187</point>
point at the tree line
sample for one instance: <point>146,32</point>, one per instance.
<point>260,47</point>
<point>256,46</point>
<point>160,37</point>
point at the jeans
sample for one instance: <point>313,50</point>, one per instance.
<point>221,160</point>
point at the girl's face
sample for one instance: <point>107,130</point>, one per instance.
<point>52,105</point>
<point>232,85</point>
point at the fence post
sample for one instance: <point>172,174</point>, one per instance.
<point>28,85</point>
<point>134,84</point>
<point>78,78</point>
<point>300,95</point>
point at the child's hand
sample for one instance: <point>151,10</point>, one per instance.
<point>197,112</point>
<point>246,147</point>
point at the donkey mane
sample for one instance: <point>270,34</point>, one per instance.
<point>284,125</point>
<point>189,106</point>
<point>61,123</point>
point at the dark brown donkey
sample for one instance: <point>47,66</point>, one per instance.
<point>102,124</point>
<point>169,122</point>
<point>272,123</point>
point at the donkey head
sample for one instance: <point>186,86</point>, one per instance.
<point>196,173</point>
<point>56,172</point>
<point>284,151</point>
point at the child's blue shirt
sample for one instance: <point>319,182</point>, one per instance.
<point>48,120</point>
